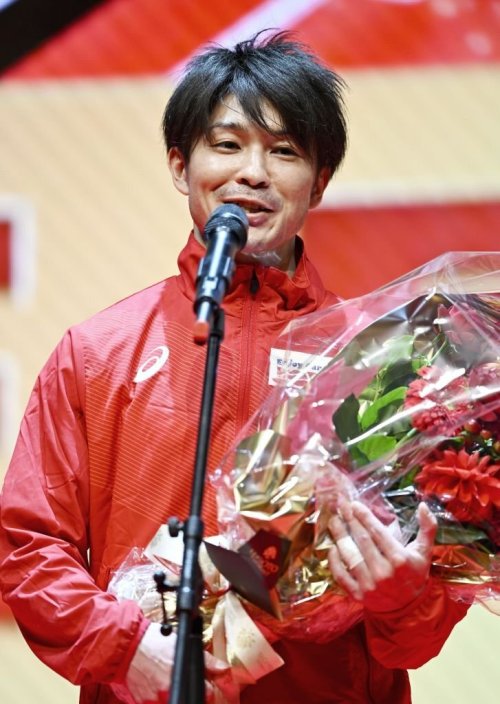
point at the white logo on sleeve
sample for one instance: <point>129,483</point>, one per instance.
<point>153,363</point>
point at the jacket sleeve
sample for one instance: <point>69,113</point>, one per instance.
<point>78,630</point>
<point>409,637</point>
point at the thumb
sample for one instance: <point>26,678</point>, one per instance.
<point>427,530</point>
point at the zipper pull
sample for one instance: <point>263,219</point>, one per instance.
<point>254,283</point>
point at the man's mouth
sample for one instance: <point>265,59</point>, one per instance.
<point>251,207</point>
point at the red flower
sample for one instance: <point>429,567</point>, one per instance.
<point>473,334</point>
<point>494,528</point>
<point>488,377</point>
<point>468,484</point>
<point>442,414</point>
<point>436,420</point>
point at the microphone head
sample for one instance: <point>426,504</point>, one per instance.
<point>231,216</point>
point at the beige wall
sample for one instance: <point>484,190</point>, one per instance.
<point>88,157</point>
<point>421,135</point>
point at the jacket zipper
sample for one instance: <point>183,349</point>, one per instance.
<point>248,323</point>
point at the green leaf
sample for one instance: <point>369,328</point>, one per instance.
<point>408,479</point>
<point>345,419</point>
<point>376,446</point>
<point>400,348</point>
<point>456,535</point>
<point>399,373</point>
<point>358,458</point>
<point>383,408</point>
<point>352,353</point>
<point>419,362</point>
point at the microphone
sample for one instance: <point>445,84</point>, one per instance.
<point>225,234</point>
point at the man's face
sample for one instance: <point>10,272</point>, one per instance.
<point>265,173</point>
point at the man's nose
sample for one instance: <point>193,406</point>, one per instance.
<point>253,169</point>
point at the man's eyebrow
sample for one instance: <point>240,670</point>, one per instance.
<point>228,125</point>
<point>241,127</point>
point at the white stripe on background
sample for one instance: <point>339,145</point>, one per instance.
<point>272,14</point>
<point>370,194</point>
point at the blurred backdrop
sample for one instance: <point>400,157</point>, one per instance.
<point>88,214</point>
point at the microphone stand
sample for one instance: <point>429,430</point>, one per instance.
<point>188,680</point>
<point>225,233</point>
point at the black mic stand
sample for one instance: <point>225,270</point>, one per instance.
<point>188,676</point>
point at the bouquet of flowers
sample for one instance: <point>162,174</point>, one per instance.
<point>391,398</point>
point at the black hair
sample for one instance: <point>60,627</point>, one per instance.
<point>284,73</point>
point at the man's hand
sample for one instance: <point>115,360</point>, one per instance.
<point>372,565</point>
<point>150,671</point>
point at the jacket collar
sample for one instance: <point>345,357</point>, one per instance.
<point>302,292</point>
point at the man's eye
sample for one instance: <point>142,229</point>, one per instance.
<point>226,144</point>
<point>286,150</point>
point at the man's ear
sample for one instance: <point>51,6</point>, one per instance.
<point>320,184</point>
<point>178,170</point>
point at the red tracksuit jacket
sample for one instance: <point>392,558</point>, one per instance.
<point>105,455</point>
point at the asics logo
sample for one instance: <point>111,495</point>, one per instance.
<point>153,363</point>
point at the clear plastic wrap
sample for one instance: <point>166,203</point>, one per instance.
<point>391,398</point>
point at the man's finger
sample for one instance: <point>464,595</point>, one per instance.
<point>342,575</point>
<point>381,535</point>
<point>427,530</point>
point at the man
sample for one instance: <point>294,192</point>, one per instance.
<point>106,447</point>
